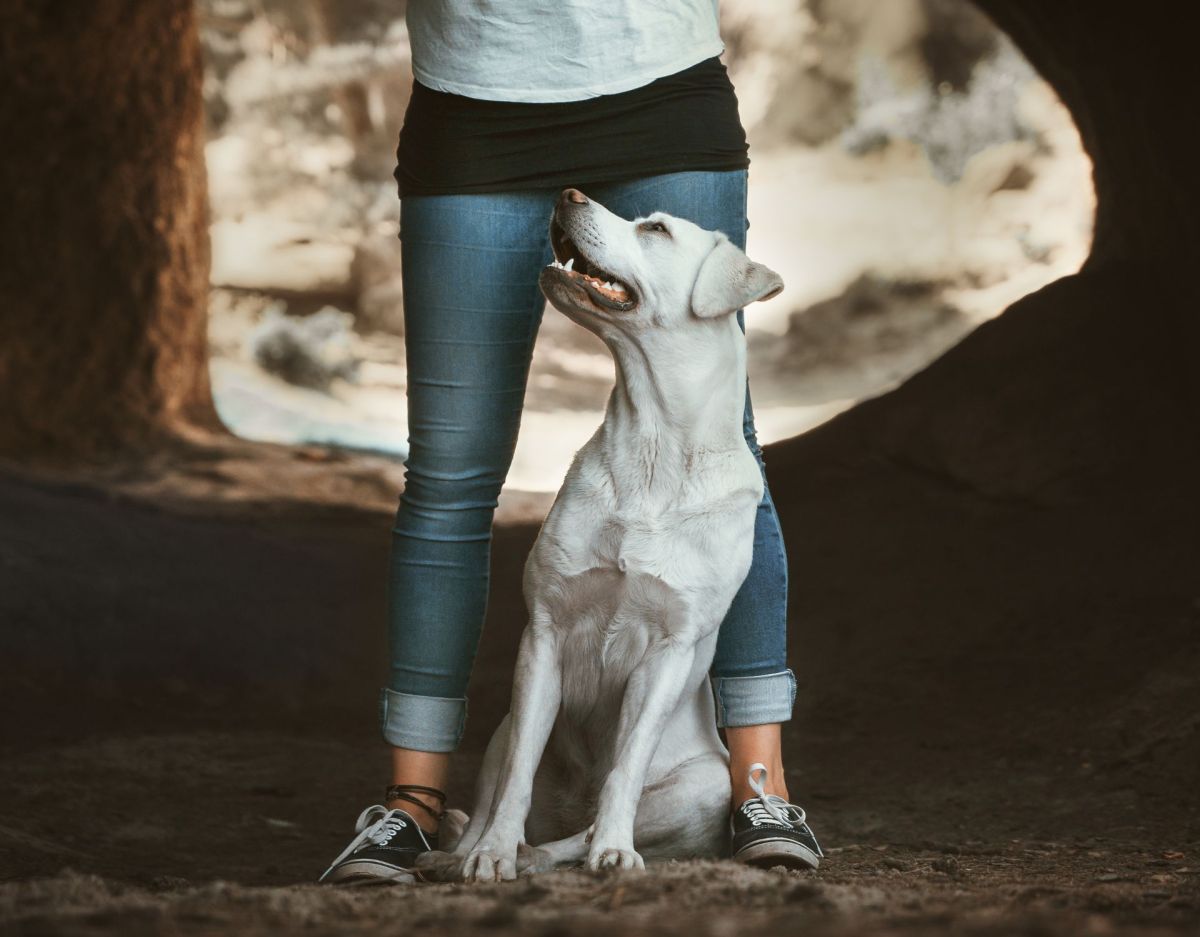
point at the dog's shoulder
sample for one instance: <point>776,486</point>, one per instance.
<point>590,477</point>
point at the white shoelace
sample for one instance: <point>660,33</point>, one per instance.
<point>770,808</point>
<point>376,825</point>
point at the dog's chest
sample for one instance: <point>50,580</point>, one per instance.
<point>608,553</point>
<point>621,545</point>
<point>590,563</point>
<point>614,575</point>
<point>635,543</point>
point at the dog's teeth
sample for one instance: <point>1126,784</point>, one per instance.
<point>569,264</point>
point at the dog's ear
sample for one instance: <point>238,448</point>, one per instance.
<point>729,280</point>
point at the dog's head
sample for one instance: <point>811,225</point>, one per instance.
<point>656,272</point>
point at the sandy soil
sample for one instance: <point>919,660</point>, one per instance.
<point>188,709</point>
<point>1039,888</point>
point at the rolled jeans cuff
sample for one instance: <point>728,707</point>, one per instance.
<point>754,701</point>
<point>422,723</point>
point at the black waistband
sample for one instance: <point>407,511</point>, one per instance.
<point>686,121</point>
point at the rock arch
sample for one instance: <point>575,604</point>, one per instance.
<point>1005,550</point>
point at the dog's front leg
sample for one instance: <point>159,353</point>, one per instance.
<point>651,695</point>
<point>537,693</point>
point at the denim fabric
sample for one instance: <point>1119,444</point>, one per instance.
<point>472,309</point>
<point>425,723</point>
<point>755,700</point>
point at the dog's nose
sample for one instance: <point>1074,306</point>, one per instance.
<point>572,195</point>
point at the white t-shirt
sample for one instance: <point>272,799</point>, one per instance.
<point>556,50</point>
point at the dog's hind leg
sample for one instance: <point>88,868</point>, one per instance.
<point>458,832</point>
<point>485,789</point>
<point>685,815</point>
<point>562,852</point>
<point>450,830</point>
<point>537,694</point>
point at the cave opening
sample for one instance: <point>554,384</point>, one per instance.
<point>994,568</point>
<point>911,177</point>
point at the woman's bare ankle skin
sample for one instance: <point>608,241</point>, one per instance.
<point>755,744</point>
<point>426,769</point>
<point>747,745</point>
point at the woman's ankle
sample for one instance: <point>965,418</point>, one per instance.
<point>751,745</point>
<point>419,778</point>
<point>429,818</point>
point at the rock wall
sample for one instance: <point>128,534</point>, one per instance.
<point>1011,539</point>
<point>1091,380</point>
<point>1121,71</point>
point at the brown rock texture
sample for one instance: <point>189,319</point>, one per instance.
<point>1095,375</point>
<point>995,575</point>
<point>1010,538</point>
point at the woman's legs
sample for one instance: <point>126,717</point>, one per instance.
<point>472,309</point>
<point>753,686</point>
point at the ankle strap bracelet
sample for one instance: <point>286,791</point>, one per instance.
<point>405,791</point>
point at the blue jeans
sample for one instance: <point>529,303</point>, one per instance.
<point>472,308</point>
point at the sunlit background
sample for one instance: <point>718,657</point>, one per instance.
<point>911,176</point>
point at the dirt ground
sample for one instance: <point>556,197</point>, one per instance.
<point>996,730</point>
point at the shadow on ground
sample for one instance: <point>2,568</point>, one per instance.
<point>996,730</point>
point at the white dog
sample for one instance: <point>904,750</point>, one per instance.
<point>610,752</point>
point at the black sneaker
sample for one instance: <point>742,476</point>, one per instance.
<point>387,845</point>
<point>768,831</point>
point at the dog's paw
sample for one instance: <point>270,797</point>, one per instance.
<point>489,865</point>
<point>612,857</point>
<point>533,861</point>
<point>436,866</point>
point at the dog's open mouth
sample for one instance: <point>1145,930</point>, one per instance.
<point>602,287</point>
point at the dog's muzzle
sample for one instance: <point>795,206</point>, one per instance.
<point>602,286</point>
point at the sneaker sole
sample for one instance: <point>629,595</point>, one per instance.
<point>769,853</point>
<point>366,872</point>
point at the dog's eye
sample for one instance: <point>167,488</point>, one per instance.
<point>655,226</point>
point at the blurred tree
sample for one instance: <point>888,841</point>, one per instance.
<point>351,96</point>
<point>103,289</point>
<point>363,100</point>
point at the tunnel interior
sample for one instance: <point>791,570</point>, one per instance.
<point>995,567</point>
<point>911,176</point>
